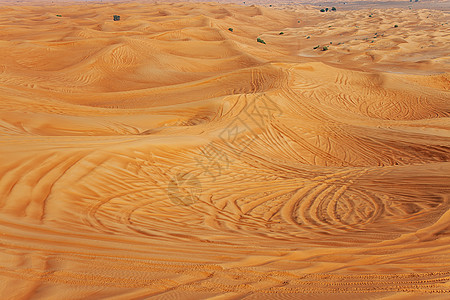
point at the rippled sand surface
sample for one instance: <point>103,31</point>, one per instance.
<point>166,156</point>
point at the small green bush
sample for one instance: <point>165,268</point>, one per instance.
<point>395,26</point>
<point>260,40</point>
<point>230,29</point>
<point>333,8</point>
<point>59,16</point>
<point>316,47</point>
<point>281,33</point>
<point>322,10</point>
<point>324,48</point>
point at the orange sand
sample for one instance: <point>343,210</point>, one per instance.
<point>166,157</point>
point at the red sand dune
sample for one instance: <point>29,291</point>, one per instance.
<point>166,157</point>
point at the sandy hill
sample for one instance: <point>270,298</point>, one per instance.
<point>170,155</point>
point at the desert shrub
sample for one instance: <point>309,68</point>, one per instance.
<point>281,33</point>
<point>395,26</point>
<point>116,18</point>
<point>322,10</point>
<point>59,16</point>
<point>316,47</point>
<point>326,9</point>
<point>324,48</point>
<point>230,29</point>
<point>333,8</point>
<point>260,40</point>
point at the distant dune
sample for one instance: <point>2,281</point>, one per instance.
<point>170,155</point>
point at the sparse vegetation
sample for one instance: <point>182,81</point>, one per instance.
<point>322,10</point>
<point>316,47</point>
<point>59,16</point>
<point>116,18</point>
<point>326,9</point>
<point>395,26</point>
<point>281,33</point>
<point>260,40</point>
<point>230,29</point>
<point>308,37</point>
<point>333,8</point>
<point>324,48</point>
<point>370,16</point>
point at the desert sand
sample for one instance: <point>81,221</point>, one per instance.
<point>165,156</point>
